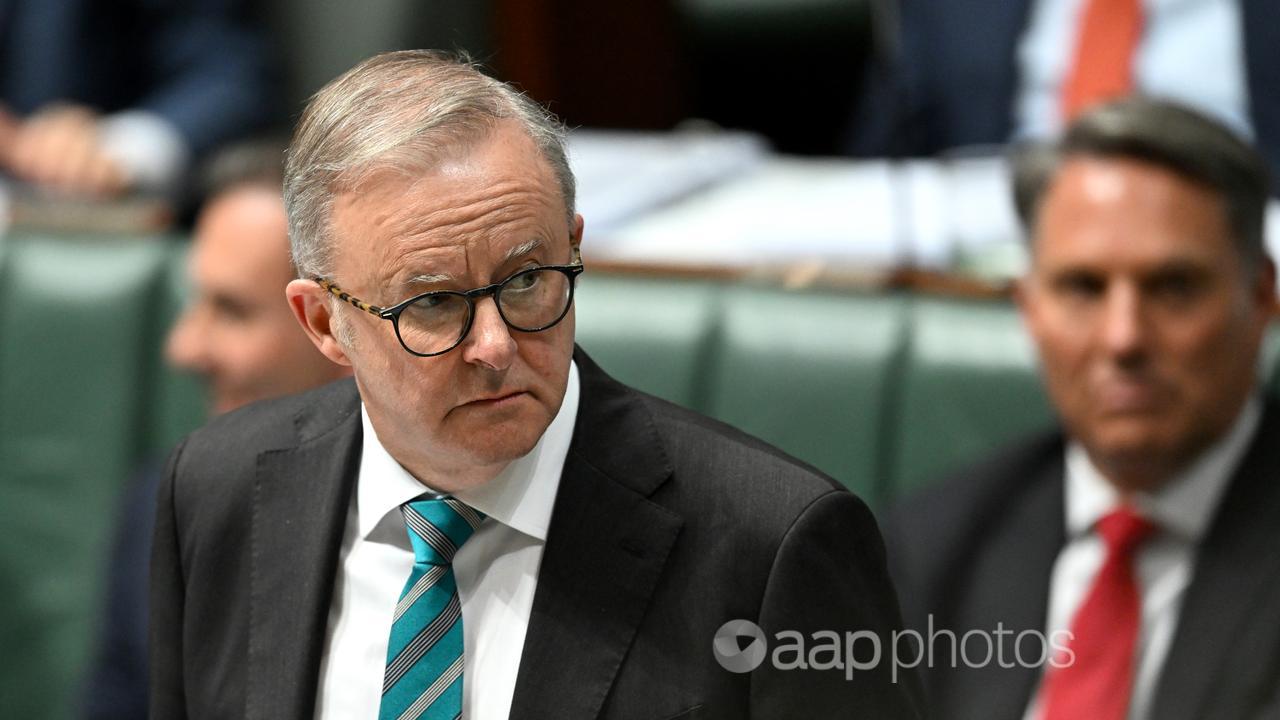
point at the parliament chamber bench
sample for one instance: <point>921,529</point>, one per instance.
<point>882,390</point>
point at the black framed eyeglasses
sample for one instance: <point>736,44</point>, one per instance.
<point>434,323</point>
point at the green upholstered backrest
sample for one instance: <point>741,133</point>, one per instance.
<point>969,383</point>
<point>811,372</point>
<point>76,320</point>
<point>654,334</point>
<point>884,392</point>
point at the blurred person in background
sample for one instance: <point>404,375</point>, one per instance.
<point>1126,563</point>
<point>960,73</point>
<point>103,98</point>
<point>237,333</point>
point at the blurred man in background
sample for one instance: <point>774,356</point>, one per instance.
<point>237,333</point>
<point>1125,564</point>
<point>102,98</point>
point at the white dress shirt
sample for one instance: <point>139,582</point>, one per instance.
<point>496,570</point>
<point>1191,50</point>
<point>1164,564</point>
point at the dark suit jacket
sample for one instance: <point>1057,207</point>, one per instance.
<point>666,525</point>
<point>979,550</point>
<point>949,77</point>
<point>197,63</point>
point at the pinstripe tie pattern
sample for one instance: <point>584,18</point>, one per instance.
<point>423,678</point>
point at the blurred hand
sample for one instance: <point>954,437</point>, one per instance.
<point>58,148</point>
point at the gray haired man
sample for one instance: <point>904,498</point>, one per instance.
<point>482,523</point>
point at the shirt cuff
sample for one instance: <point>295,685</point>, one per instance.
<point>150,150</point>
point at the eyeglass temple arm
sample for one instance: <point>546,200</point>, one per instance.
<point>343,295</point>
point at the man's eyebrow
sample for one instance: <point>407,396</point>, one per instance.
<point>523,249</point>
<point>1181,265</point>
<point>428,279</point>
<point>227,302</point>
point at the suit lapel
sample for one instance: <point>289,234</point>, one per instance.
<point>300,505</point>
<point>1236,563</point>
<point>606,549</point>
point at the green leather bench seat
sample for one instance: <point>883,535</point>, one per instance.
<point>652,333</point>
<point>969,383</point>
<point>811,373</point>
<point>75,359</point>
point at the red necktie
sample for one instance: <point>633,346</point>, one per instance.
<point>1102,67</point>
<point>1096,686</point>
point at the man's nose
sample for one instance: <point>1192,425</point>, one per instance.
<point>186,346</point>
<point>1124,329</point>
<point>490,342</point>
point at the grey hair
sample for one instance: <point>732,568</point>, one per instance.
<point>1170,136</point>
<point>398,110</point>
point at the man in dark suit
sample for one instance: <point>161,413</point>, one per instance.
<point>1122,566</point>
<point>483,524</point>
<point>960,73</point>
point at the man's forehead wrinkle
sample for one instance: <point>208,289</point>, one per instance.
<point>452,230</point>
<point>461,207</point>
<point>429,250</point>
<point>477,219</point>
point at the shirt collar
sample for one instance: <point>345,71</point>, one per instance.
<point>520,497</point>
<point>1184,506</point>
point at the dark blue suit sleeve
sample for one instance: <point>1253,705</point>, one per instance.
<point>116,687</point>
<point>212,70</point>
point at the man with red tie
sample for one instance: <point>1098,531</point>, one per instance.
<point>1122,566</point>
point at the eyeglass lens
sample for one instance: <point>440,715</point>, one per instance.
<point>528,301</point>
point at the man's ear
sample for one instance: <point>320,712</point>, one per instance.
<point>311,307</point>
<point>575,239</point>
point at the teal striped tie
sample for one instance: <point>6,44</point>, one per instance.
<point>424,658</point>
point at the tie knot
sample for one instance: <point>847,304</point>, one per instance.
<point>438,526</point>
<point>1123,529</point>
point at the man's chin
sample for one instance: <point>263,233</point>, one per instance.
<point>507,439</point>
<point>1135,458</point>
